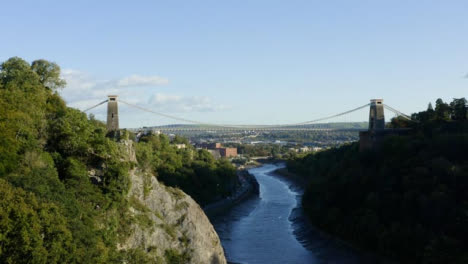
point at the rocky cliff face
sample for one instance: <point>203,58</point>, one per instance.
<point>168,225</point>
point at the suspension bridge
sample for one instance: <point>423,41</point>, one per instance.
<point>376,119</point>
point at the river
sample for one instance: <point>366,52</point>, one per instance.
<point>259,230</point>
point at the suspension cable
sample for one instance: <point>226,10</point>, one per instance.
<point>105,101</point>
<point>171,116</point>
<point>333,116</point>
<point>398,112</point>
<point>243,126</point>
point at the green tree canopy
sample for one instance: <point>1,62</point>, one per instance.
<point>406,201</point>
<point>31,231</point>
<point>49,74</point>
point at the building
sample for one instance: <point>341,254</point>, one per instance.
<point>304,149</point>
<point>180,146</point>
<point>228,152</point>
<point>216,147</point>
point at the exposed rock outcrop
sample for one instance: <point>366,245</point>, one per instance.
<point>169,224</point>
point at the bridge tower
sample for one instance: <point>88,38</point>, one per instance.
<point>372,139</point>
<point>376,115</point>
<point>112,113</point>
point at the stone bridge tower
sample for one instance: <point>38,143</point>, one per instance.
<point>376,115</point>
<point>373,138</point>
<point>112,113</point>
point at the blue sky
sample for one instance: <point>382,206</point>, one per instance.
<point>263,62</point>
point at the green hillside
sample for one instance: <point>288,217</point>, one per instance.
<point>51,209</point>
<point>407,201</point>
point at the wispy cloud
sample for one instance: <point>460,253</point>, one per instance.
<point>82,87</point>
<point>160,98</point>
<point>177,103</point>
<point>84,90</point>
<point>138,80</point>
<point>78,80</point>
<point>466,76</point>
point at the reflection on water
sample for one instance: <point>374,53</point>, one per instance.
<point>259,231</point>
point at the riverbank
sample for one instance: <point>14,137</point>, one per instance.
<point>248,187</point>
<point>310,236</point>
<point>292,178</point>
<point>257,230</point>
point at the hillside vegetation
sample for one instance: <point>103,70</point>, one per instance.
<point>407,201</point>
<point>64,185</point>
<point>196,172</point>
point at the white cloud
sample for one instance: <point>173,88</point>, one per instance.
<point>164,98</point>
<point>81,86</point>
<point>80,81</point>
<point>83,91</point>
<point>77,80</point>
<point>138,80</point>
<point>176,103</point>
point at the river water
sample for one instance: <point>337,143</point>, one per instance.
<point>259,230</point>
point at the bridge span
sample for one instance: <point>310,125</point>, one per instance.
<point>240,129</point>
<point>376,119</point>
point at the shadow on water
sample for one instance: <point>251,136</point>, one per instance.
<point>271,228</point>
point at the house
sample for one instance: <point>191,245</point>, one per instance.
<point>180,146</point>
<point>216,149</point>
<point>228,152</point>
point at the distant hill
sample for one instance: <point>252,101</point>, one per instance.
<point>337,125</point>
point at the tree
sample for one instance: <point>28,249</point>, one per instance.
<point>22,110</point>
<point>459,110</point>
<point>401,122</point>
<point>442,110</point>
<point>31,231</point>
<point>180,140</point>
<point>429,107</point>
<point>404,201</point>
<point>49,74</point>
<point>430,112</point>
<point>17,72</point>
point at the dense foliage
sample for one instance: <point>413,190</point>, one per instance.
<point>260,150</point>
<point>63,181</point>
<point>407,201</point>
<point>50,210</point>
<point>317,138</point>
<point>196,172</point>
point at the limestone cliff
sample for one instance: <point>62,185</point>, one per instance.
<point>168,224</point>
